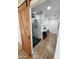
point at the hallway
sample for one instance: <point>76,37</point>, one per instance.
<point>45,49</point>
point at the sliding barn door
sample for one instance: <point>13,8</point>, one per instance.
<point>24,19</point>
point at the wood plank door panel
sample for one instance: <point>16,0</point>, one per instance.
<point>24,20</point>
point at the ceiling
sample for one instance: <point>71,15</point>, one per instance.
<point>33,2</point>
<point>20,2</point>
<point>42,7</point>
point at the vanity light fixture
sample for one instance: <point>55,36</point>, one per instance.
<point>34,12</point>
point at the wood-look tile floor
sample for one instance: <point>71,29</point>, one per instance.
<point>22,54</point>
<point>46,48</point>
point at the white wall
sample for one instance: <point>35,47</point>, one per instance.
<point>57,52</point>
<point>19,35</point>
<point>53,25</point>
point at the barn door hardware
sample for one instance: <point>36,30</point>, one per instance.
<point>27,2</point>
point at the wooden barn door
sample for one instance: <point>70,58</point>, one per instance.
<point>24,20</point>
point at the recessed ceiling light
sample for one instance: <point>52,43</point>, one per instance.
<point>49,7</point>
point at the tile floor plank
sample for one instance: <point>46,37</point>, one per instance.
<point>46,48</point>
